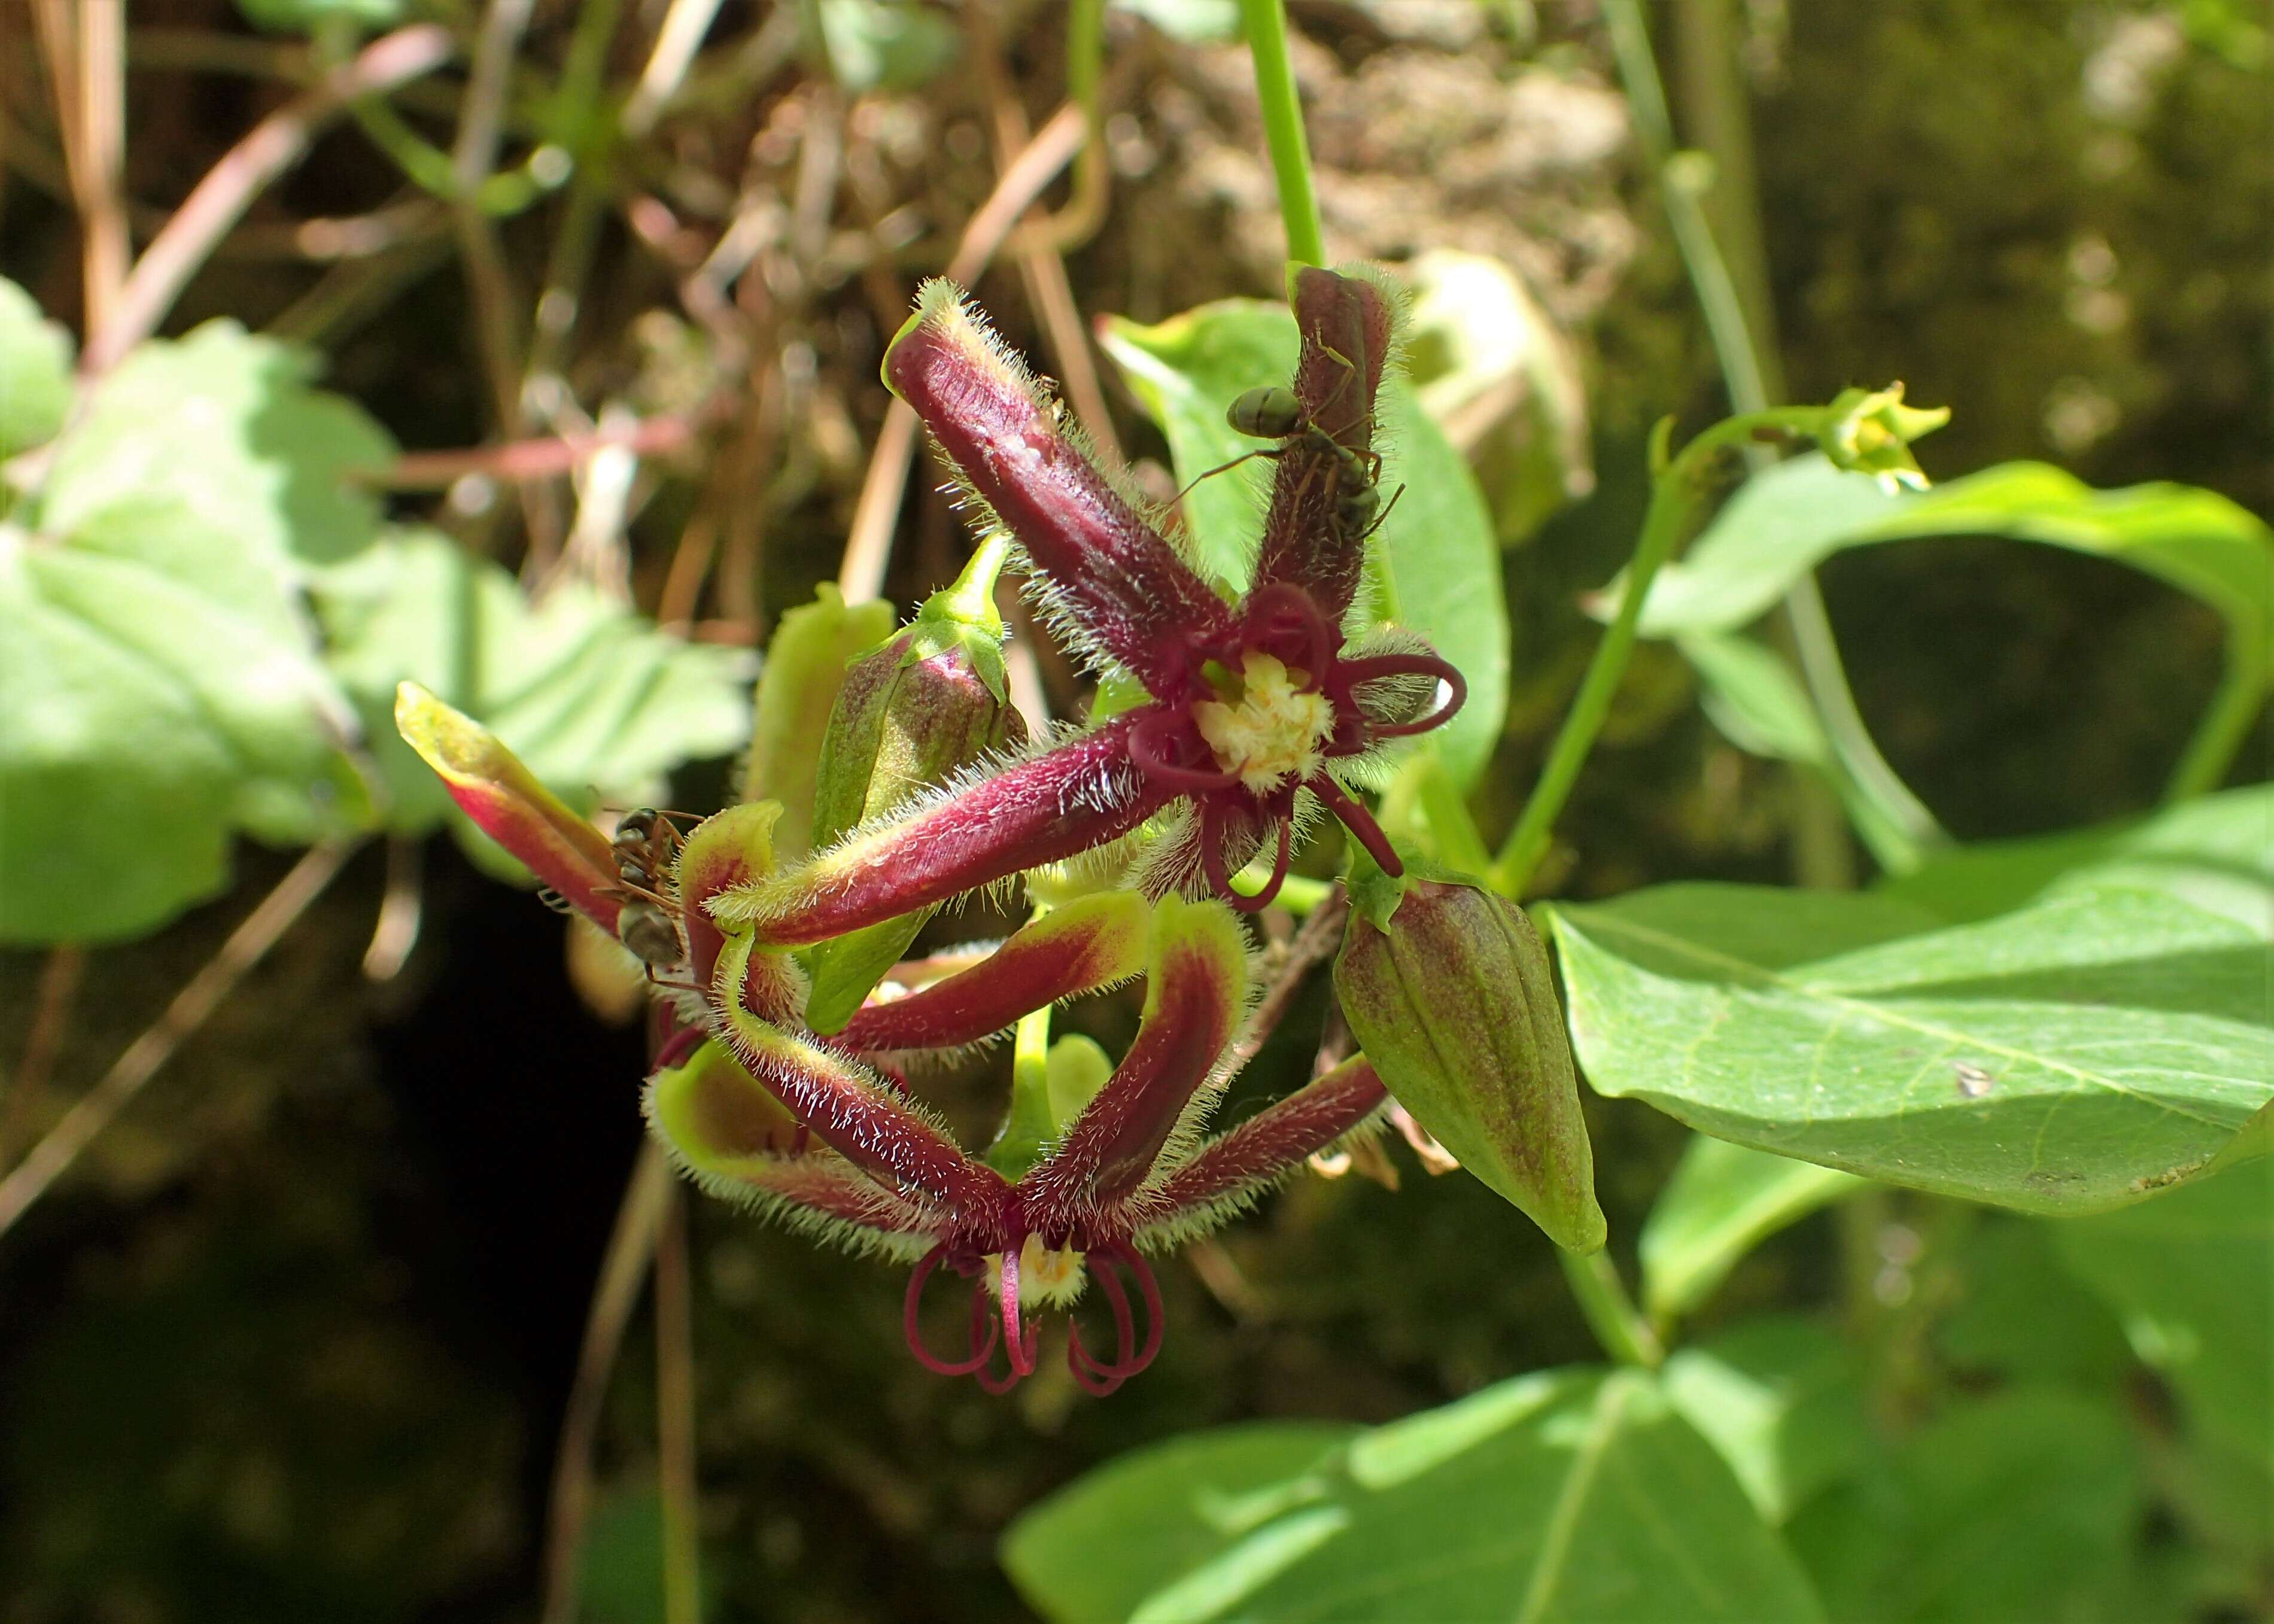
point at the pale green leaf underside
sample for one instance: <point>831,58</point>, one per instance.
<point>1785,522</point>
<point>1566,1495</point>
<point>1437,541</point>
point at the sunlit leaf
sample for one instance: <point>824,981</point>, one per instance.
<point>1437,541</point>
<point>1575,1495</point>
<point>886,44</point>
<point>225,425</point>
<point>2106,1040</point>
<point>1095,1551</point>
<point>36,372</point>
<point>164,685</point>
<point>594,701</point>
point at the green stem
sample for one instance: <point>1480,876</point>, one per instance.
<point>2226,724</point>
<point>675,1402</point>
<point>1661,530</point>
<point>1298,893</point>
<point>1611,1313</point>
<point>1265,23</point>
<point>1750,374</point>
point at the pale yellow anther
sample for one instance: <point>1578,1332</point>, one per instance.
<point>1276,733</point>
<point>1045,1276</point>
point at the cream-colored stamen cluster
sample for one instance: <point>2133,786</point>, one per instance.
<point>1046,1277</point>
<point>1275,733</point>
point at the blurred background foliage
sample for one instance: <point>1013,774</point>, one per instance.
<point>294,1340</point>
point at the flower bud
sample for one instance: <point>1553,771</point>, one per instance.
<point>917,707</point>
<point>1448,987</point>
<point>1870,431</point>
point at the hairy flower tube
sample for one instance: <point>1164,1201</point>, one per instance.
<point>817,1133</point>
<point>1254,710</point>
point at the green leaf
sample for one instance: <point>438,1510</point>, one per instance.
<point>874,45</point>
<point>225,425</point>
<point>1437,541</point>
<point>1752,696</point>
<point>1096,1550</point>
<point>307,16</point>
<point>589,695</point>
<point>2021,1507</point>
<point>2191,1277</point>
<point>1569,1495</point>
<point>1722,1201</point>
<point>35,373</point>
<point>2019,1315</point>
<point>1780,1398</point>
<point>1788,519</point>
<point>1494,369</point>
<point>2103,1042</point>
<point>164,691</point>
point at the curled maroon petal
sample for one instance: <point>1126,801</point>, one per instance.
<point>912,1331</point>
<point>1352,672</point>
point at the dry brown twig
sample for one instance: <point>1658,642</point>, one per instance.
<point>247,946</point>
<point>219,200</point>
<point>868,544</point>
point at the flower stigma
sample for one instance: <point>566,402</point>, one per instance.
<point>1276,730</point>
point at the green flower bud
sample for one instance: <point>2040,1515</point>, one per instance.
<point>1870,431</point>
<point>804,669</point>
<point>927,701</point>
<point>1448,987</point>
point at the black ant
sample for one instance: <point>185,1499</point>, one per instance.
<point>646,844</point>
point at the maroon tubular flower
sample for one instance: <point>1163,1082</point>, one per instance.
<point>1253,707</point>
<point>808,1133</point>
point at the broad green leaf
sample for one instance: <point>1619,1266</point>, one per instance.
<point>1752,696</point>
<point>1571,1495</point>
<point>35,373</point>
<point>163,692</point>
<point>2075,1055</point>
<point>1437,543</point>
<point>2019,1315</point>
<point>1780,1398</point>
<point>225,425</point>
<point>1095,1551</point>
<point>1722,1201</point>
<point>1788,519</point>
<point>2026,1506</point>
<point>591,697</point>
<point>2191,1277</point>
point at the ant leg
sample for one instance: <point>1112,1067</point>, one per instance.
<point>1220,468</point>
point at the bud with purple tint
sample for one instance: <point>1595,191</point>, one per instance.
<point>915,710</point>
<point>1448,987</point>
